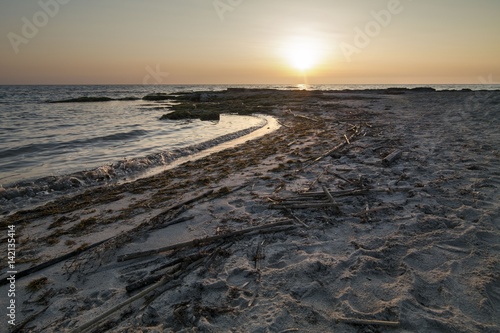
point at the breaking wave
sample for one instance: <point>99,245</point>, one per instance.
<point>26,193</point>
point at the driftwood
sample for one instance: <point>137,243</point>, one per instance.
<point>305,206</point>
<point>91,324</point>
<point>344,193</point>
<point>150,279</point>
<point>368,322</point>
<point>54,261</point>
<point>389,159</point>
<point>80,250</point>
<point>176,221</point>
<point>340,177</point>
<point>289,212</point>
<point>158,221</point>
<point>347,139</point>
<point>331,199</point>
<point>106,314</point>
<point>197,242</point>
<point>323,200</point>
<point>20,326</point>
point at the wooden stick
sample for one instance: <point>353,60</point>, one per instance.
<point>332,200</point>
<point>297,219</point>
<point>150,279</point>
<point>339,176</point>
<point>196,242</point>
<point>20,326</point>
<point>54,261</point>
<point>170,223</point>
<point>308,118</point>
<point>89,325</point>
<point>347,139</point>
<point>358,192</point>
<point>303,206</point>
<point>389,159</point>
<point>368,322</point>
<point>328,195</point>
<point>106,314</point>
<point>331,151</point>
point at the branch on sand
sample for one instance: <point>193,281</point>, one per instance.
<point>202,241</point>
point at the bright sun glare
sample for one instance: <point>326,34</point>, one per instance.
<point>302,53</point>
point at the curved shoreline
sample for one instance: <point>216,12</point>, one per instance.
<point>269,126</point>
<point>30,193</point>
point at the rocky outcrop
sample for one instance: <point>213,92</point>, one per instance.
<point>196,114</point>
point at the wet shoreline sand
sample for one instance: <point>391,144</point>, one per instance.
<point>365,211</point>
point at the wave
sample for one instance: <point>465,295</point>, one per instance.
<point>42,189</point>
<point>37,147</point>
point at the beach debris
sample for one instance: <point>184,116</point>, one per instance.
<point>259,254</point>
<point>392,157</point>
<point>19,327</point>
<point>356,321</point>
<point>207,240</point>
<point>306,200</point>
<point>289,212</point>
<point>346,140</point>
<point>164,280</point>
<point>54,261</point>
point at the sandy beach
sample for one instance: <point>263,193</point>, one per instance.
<point>365,211</point>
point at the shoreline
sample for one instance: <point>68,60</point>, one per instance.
<point>42,190</point>
<point>361,211</point>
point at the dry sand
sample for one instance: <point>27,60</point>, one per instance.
<point>409,245</point>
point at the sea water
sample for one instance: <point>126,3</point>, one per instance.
<point>46,146</point>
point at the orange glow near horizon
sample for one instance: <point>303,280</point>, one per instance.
<point>274,42</point>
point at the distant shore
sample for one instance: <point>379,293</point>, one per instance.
<point>366,210</point>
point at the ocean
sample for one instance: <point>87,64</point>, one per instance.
<point>46,147</point>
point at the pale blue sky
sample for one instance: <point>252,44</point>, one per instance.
<point>248,41</point>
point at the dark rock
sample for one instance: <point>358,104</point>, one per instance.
<point>395,91</point>
<point>83,100</point>
<point>87,99</point>
<point>423,89</point>
<point>157,97</point>
<point>185,114</point>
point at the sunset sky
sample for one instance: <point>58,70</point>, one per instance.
<point>249,41</point>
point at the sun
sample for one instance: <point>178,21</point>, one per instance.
<point>302,53</point>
